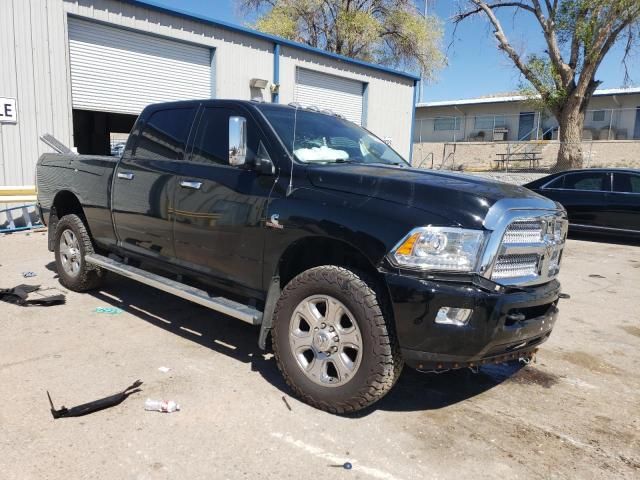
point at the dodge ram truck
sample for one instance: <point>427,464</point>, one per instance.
<point>350,263</point>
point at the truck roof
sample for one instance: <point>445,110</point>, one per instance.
<point>232,102</point>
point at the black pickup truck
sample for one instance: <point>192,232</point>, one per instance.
<point>297,221</point>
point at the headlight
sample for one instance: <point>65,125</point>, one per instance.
<point>439,248</point>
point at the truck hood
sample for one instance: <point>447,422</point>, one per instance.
<point>457,199</point>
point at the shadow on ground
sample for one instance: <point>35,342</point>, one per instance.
<point>414,391</point>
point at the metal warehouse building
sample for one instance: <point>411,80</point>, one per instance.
<point>83,69</point>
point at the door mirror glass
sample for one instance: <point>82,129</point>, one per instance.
<point>237,141</point>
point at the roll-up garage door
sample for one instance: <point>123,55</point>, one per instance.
<point>340,95</point>
<point>118,70</point>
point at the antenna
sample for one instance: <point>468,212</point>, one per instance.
<point>293,148</point>
<point>426,13</point>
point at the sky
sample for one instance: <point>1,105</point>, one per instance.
<point>475,66</point>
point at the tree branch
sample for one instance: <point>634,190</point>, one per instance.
<point>503,42</point>
<point>548,30</point>
<point>462,15</point>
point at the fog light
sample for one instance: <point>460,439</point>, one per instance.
<point>453,316</point>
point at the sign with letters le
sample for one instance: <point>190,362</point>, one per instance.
<point>8,111</point>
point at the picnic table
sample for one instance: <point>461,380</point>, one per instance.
<point>506,158</point>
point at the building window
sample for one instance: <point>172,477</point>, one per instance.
<point>488,122</point>
<point>598,116</point>
<point>446,123</point>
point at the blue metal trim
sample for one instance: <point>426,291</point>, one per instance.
<point>213,73</point>
<point>275,97</point>
<point>365,104</point>
<point>413,119</point>
<point>264,36</point>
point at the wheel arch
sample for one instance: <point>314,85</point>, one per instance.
<point>314,251</point>
<point>64,203</point>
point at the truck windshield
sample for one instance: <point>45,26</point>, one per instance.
<point>323,138</point>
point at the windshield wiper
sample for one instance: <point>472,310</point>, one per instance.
<point>339,160</point>
<point>397,164</point>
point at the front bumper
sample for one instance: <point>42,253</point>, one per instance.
<point>504,325</point>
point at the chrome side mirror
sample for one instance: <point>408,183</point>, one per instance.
<point>237,141</point>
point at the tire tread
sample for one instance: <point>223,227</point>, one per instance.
<point>90,277</point>
<point>388,366</point>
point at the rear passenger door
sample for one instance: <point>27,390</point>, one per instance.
<point>144,183</point>
<point>219,207</point>
<point>624,201</point>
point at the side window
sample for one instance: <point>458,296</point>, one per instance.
<point>556,182</point>
<point>596,181</point>
<point>626,182</point>
<point>211,141</point>
<point>164,135</point>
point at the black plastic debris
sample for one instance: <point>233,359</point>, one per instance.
<point>96,405</point>
<point>19,295</point>
<point>284,399</point>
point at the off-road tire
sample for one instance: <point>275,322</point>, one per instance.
<point>88,277</point>
<point>381,362</point>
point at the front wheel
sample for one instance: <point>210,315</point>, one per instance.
<point>332,342</point>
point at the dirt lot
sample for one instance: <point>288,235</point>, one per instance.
<point>574,414</point>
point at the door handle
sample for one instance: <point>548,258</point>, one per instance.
<point>191,184</point>
<point>125,175</point>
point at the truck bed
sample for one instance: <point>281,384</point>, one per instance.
<point>88,177</point>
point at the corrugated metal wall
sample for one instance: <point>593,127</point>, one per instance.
<point>338,94</point>
<point>34,55</point>
<point>118,70</point>
<point>388,98</point>
<point>33,69</point>
<point>238,57</point>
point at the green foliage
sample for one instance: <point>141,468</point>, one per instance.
<point>549,93</point>
<point>278,22</point>
<point>389,32</point>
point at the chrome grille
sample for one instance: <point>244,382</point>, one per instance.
<point>512,266</point>
<point>526,230</point>
<point>530,250</point>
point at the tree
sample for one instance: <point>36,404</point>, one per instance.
<point>388,32</point>
<point>578,34</point>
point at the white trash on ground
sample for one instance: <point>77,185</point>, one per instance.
<point>161,406</point>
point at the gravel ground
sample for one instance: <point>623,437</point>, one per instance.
<point>573,414</point>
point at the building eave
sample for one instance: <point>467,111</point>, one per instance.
<point>150,4</point>
<point>519,98</point>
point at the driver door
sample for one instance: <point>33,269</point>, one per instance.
<point>219,207</point>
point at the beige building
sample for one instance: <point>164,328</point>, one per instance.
<point>612,115</point>
<point>474,133</point>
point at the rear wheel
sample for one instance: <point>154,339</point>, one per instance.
<point>332,342</point>
<point>72,245</point>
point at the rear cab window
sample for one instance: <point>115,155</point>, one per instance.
<point>164,134</point>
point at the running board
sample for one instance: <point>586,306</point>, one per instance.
<point>219,304</point>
